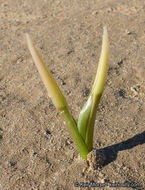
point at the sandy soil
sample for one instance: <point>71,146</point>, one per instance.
<point>36,150</point>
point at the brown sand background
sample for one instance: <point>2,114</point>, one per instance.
<point>36,150</point>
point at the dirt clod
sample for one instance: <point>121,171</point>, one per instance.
<point>95,159</point>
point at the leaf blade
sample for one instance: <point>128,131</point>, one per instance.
<point>88,113</point>
<point>57,98</point>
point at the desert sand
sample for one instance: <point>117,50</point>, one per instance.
<point>36,150</point>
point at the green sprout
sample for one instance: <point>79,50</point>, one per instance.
<point>81,131</point>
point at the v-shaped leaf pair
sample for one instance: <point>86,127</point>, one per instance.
<point>81,132</point>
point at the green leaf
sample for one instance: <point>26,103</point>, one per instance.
<point>88,114</point>
<point>58,99</point>
<point>84,118</point>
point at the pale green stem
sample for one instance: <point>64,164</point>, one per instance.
<point>72,127</point>
<point>58,99</point>
<point>88,113</point>
<point>98,88</point>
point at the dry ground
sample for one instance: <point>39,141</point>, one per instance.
<point>36,150</point>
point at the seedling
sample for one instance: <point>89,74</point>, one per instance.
<point>81,131</point>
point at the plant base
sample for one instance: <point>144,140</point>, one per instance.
<point>95,159</point>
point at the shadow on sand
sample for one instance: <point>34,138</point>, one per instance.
<point>111,152</point>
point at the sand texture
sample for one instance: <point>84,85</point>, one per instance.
<point>36,150</point>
